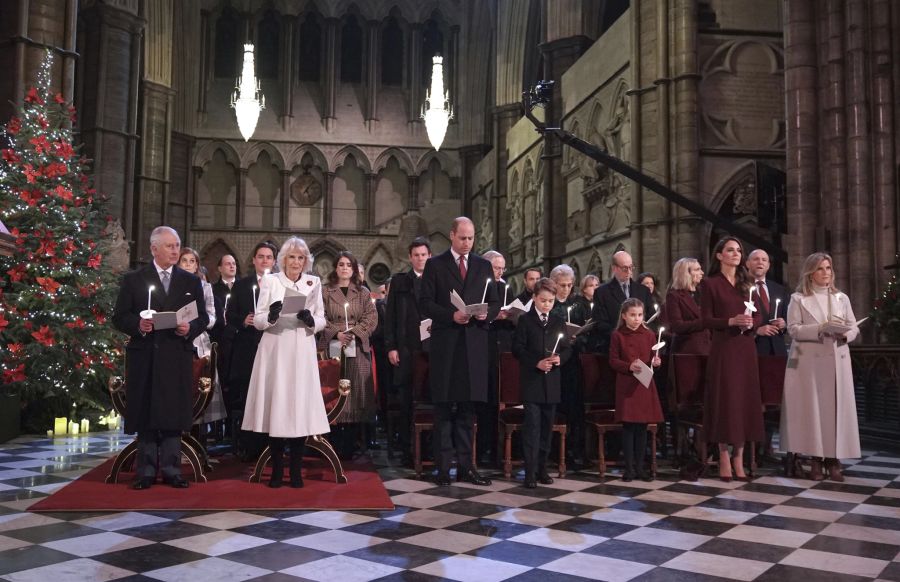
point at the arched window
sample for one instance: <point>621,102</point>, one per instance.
<point>268,33</point>
<point>310,65</point>
<point>392,53</point>
<point>351,51</point>
<point>226,57</point>
<point>432,44</point>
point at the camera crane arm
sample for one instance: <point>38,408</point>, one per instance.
<point>541,95</point>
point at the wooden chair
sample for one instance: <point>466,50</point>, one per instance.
<point>512,417</point>
<point>204,370</point>
<point>600,408</point>
<point>423,413</point>
<point>336,394</point>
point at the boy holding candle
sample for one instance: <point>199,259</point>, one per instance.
<point>541,348</point>
<point>636,405</point>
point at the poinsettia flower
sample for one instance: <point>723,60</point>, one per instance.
<point>47,247</point>
<point>59,98</point>
<point>63,192</point>
<point>3,322</point>
<point>15,349</point>
<point>30,197</point>
<point>63,149</point>
<point>42,121</point>
<point>16,374</point>
<point>14,125</point>
<point>16,273</point>
<point>30,174</point>
<point>11,157</point>
<point>44,336</point>
<point>54,170</point>
<point>77,324</point>
<point>40,144</point>
<point>69,247</point>
<point>33,97</point>
<point>94,261</point>
<point>48,284</point>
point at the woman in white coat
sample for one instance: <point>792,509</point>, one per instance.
<point>818,412</point>
<point>285,396</point>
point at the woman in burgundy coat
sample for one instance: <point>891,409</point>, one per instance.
<point>732,408</point>
<point>682,310</point>
<point>636,405</point>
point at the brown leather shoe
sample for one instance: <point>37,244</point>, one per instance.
<point>815,470</point>
<point>833,466</point>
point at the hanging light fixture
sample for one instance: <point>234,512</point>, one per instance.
<point>436,111</point>
<point>247,100</point>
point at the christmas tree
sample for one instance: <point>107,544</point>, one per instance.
<point>886,310</point>
<point>57,346</point>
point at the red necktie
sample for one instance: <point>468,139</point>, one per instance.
<point>763,296</point>
<point>462,267</point>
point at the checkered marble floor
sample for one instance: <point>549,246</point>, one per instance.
<point>771,529</point>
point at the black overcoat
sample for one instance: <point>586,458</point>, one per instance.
<point>159,371</point>
<point>458,369</point>
<point>773,345</point>
<point>246,339</point>
<point>532,343</point>
<point>401,323</point>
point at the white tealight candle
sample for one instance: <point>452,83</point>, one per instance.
<point>486,285</point>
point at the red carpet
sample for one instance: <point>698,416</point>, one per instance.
<point>227,488</point>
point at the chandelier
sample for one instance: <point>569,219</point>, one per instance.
<point>436,111</point>
<point>247,100</point>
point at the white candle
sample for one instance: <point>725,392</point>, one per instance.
<point>592,307</point>
<point>484,295</point>
<point>149,295</point>
<point>777,304</point>
<point>505,294</point>
<point>254,298</point>
<point>556,345</point>
<point>227,297</point>
<point>659,336</point>
<point>568,314</point>
<point>658,342</point>
<point>346,319</point>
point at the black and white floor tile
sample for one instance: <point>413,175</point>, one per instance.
<point>772,529</point>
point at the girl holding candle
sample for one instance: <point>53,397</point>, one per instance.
<point>541,348</point>
<point>285,396</point>
<point>351,317</point>
<point>732,407</point>
<point>818,412</point>
<point>636,405</point>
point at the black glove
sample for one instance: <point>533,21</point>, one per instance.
<point>274,311</point>
<point>306,317</point>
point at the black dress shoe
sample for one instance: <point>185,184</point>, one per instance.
<point>545,479</point>
<point>143,483</point>
<point>529,483</point>
<point>472,476</point>
<point>442,480</point>
<point>645,476</point>
<point>178,482</point>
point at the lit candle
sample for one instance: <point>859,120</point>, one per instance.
<point>505,294</point>
<point>346,319</point>
<point>149,295</point>
<point>73,428</point>
<point>486,284</point>
<point>777,304</point>
<point>592,307</point>
<point>85,425</point>
<point>50,433</point>
<point>569,314</point>
<point>60,425</point>
<point>254,298</point>
<point>556,345</point>
<point>225,309</point>
<point>658,342</point>
<point>659,336</point>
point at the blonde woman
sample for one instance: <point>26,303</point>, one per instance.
<point>818,411</point>
<point>681,312</point>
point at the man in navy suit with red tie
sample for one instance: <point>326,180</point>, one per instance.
<point>458,370</point>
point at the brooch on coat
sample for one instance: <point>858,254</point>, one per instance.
<point>309,283</point>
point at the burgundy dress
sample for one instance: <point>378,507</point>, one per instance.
<point>732,403</point>
<point>683,318</point>
<point>634,402</point>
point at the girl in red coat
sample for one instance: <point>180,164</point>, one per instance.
<point>636,405</point>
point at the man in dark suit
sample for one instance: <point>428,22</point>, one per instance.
<point>530,278</point>
<point>221,333</point>
<point>610,296</point>
<point>239,318</point>
<point>159,374</point>
<point>500,334</point>
<point>402,339</point>
<point>769,337</point>
<point>459,345</point>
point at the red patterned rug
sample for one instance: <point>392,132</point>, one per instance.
<point>227,488</point>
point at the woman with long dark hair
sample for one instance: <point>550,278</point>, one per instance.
<point>732,408</point>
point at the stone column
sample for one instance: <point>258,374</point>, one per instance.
<point>195,193</point>
<point>284,210</point>
<point>558,55</point>
<point>288,26</point>
<point>687,148</point>
<point>883,95</point>
<point>328,202</point>
<point>505,116</point>
<point>332,74</point>
<point>111,67</point>
<point>373,62</point>
<point>415,68</point>
<point>469,157</point>
<point>859,151</point>
<point>802,131</point>
<point>240,195</point>
<point>207,29</point>
<point>371,183</point>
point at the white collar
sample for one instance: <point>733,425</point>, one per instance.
<point>160,270</point>
<point>456,256</point>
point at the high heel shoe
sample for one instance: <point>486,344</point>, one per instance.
<point>724,467</point>
<point>739,462</point>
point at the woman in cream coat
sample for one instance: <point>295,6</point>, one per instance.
<point>285,396</point>
<point>818,412</point>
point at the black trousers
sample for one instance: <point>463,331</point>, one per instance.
<point>537,435</point>
<point>454,425</point>
<point>158,450</point>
